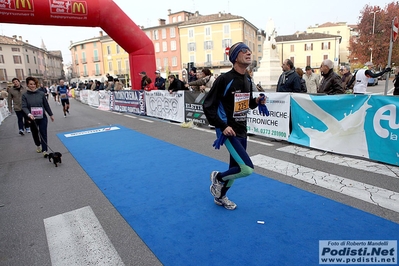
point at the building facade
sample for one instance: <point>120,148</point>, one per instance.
<point>20,59</point>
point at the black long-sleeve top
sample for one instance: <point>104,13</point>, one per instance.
<point>228,102</point>
<point>35,99</point>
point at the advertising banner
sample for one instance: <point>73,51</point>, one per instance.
<point>359,125</point>
<point>276,125</point>
<point>193,108</point>
<point>128,102</point>
<point>84,96</point>
<point>104,100</point>
<point>94,98</point>
<point>165,105</point>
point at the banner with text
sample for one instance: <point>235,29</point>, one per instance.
<point>128,102</point>
<point>193,108</point>
<point>359,125</point>
<point>276,125</point>
<point>165,105</point>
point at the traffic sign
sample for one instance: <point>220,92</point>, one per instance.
<point>395,28</point>
<point>227,50</point>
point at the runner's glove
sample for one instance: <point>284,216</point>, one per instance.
<point>219,141</point>
<point>261,106</point>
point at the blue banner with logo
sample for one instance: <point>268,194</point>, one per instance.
<point>359,125</point>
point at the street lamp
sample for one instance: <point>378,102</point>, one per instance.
<point>373,12</point>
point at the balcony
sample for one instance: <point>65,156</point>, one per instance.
<point>76,62</point>
<point>83,61</point>
<point>96,59</point>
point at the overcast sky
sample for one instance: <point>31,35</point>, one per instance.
<point>289,16</point>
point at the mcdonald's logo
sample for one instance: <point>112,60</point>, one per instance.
<point>23,4</point>
<point>78,8</point>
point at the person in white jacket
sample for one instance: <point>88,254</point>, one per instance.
<point>361,78</point>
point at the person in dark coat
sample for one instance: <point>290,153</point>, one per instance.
<point>175,84</point>
<point>289,80</point>
<point>331,83</point>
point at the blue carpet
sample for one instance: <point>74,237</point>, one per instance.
<point>162,191</point>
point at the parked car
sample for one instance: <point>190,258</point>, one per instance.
<point>372,82</point>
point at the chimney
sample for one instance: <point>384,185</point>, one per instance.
<point>27,41</point>
<point>14,36</point>
<point>161,22</point>
<point>169,11</point>
<point>220,14</point>
<point>20,38</point>
<point>101,33</point>
<point>196,13</point>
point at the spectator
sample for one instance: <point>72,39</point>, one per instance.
<point>159,81</point>
<point>331,82</point>
<point>204,83</point>
<point>346,76</point>
<point>396,82</point>
<point>35,106</point>
<point>299,71</point>
<point>118,86</point>
<point>192,74</point>
<point>312,80</point>
<point>149,85</point>
<point>361,78</point>
<point>110,80</point>
<point>175,84</point>
<point>15,100</point>
<point>44,90</point>
<point>53,90</point>
<point>143,75</point>
<point>289,80</point>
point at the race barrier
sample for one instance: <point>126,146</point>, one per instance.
<point>3,110</point>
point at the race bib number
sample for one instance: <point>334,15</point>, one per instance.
<point>63,96</point>
<point>241,104</point>
<point>37,112</point>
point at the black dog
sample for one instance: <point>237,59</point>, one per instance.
<point>56,156</point>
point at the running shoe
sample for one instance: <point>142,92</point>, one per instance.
<point>216,185</point>
<point>64,115</point>
<point>38,149</point>
<point>225,202</point>
<point>45,154</point>
<point>21,132</point>
<point>27,130</point>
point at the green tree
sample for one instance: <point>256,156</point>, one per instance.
<point>365,44</point>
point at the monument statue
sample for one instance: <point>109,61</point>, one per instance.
<point>269,66</point>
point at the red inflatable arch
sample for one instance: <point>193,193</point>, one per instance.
<point>89,13</point>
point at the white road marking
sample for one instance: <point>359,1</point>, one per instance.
<point>379,168</point>
<point>146,120</point>
<point>130,116</point>
<point>371,194</point>
<point>77,238</point>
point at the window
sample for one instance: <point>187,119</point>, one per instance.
<point>19,74</point>
<point>118,49</point>
<point>164,46</point>
<point>95,58</point>
<point>226,29</point>
<point>15,49</point>
<point>226,43</point>
<point>208,31</point>
<point>29,72</point>
<point>74,48</point>
<point>1,59</point>
<point>165,62</point>
<point>157,49</point>
<point>76,59</point>
<point>308,61</point>
<point>119,67</point>
<point>173,46</point>
<point>259,48</point>
<point>325,57</point>
<point>127,65</point>
<point>109,66</point>
<point>163,33</point>
<point>158,62</point>
<point>3,75</point>
<point>84,57</point>
<point>308,46</point>
<point>208,59</point>
<point>325,46</point>
<point>191,33</point>
<point>85,70</point>
<point>34,59</point>
<point>292,48</point>
<point>82,46</point>
<point>191,47</point>
<point>155,34</point>
<point>174,61</point>
<point>172,33</point>
<point>108,50</point>
<point>17,59</point>
<point>208,45</point>
<point>27,58</point>
<point>94,44</point>
<point>97,67</point>
<point>292,59</point>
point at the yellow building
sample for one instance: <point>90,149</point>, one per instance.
<point>309,49</point>
<point>115,60</point>
<point>342,29</point>
<point>204,40</point>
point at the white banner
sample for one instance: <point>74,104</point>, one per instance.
<point>165,105</point>
<point>93,99</point>
<point>84,95</point>
<point>276,125</point>
<point>3,110</point>
<point>104,100</point>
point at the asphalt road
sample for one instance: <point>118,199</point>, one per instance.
<point>32,189</point>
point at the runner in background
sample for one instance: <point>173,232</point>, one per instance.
<point>62,92</point>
